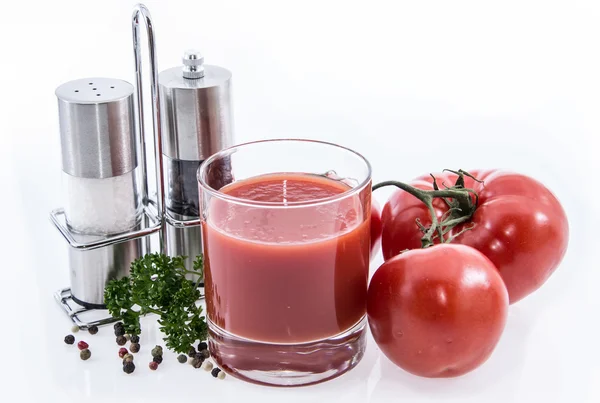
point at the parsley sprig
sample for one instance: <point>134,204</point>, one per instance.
<point>157,284</point>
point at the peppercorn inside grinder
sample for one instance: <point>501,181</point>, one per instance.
<point>106,220</point>
<point>195,106</point>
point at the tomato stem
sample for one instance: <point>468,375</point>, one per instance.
<point>458,198</point>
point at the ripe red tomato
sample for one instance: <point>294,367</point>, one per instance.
<point>519,225</point>
<point>376,227</point>
<point>437,312</point>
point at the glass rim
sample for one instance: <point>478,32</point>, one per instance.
<point>306,203</point>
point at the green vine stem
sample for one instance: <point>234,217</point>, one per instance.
<point>458,198</point>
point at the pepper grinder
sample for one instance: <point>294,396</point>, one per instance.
<point>195,105</point>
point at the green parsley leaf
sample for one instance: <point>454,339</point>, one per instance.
<point>157,284</point>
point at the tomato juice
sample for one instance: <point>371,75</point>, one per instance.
<point>290,265</point>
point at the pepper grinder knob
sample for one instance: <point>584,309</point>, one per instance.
<point>193,64</point>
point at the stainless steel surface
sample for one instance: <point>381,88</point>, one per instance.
<point>193,64</point>
<point>197,113</point>
<point>91,270</point>
<point>184,241</point>
<point>94,259</point>
<point>149,225</point>
<point>141,14</point>
<point>96,127</point>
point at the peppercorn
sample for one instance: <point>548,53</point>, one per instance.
<point>85,354</point>
<point>221,375</point>
<point>121,340</point>
<point>118,324</point>
<point>182,358</point>
<point>204,353</point>
<point>69,339</point>
<point>129,367</point>
<point>192,352</point>
<point>93,329</point>
<point>215,371</point>
<point>153,365</point>
<point>127,358</point>
<point>207,365</point>
<point>158,359</point>
<point>127,336</point>
<point>156,351</point>
<point>74,329</point>
<point>202,346</point>
<point>82,345</point>
<point>134,347</point>
<point>119,331</point>
<point>122,352</point>
<point>135,338</point>
<point>197,362</point>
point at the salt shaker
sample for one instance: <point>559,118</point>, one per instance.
<point>196,122</point>
<point>102,207</point>
<point>96,118</point>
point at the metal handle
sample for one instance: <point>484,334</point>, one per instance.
<point>141,13</point>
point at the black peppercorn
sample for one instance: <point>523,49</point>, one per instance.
<point>202,346</point>
<point>182,358</point>
<point>192,352</point>
<point>85,354</point>
<point>205,353</point>
<point>69,339</point>
<point>118,324</point>
<point>215,372</point>
<point>158,359</point>
<point>121,340</point>
<point>129,367</point>
<point>197,362</point>
<point>135,338</point>
<point>120,331</point>
<point>93,329</point>
<point>134,347</point>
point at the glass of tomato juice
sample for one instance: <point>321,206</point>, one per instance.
<point>286,243</point>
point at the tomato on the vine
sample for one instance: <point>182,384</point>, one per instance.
<point>518,224</point>
<point>439,311</point>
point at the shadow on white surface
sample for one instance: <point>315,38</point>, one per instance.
<point>499,376</point>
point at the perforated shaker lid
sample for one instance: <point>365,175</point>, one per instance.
<point>97,127</point>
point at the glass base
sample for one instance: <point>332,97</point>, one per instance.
<point>287,364</point>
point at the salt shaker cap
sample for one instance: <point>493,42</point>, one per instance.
<point>97,128</point>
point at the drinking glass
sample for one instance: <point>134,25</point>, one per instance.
<point>286,239</point>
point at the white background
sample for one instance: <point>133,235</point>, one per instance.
<point>416,86</point>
